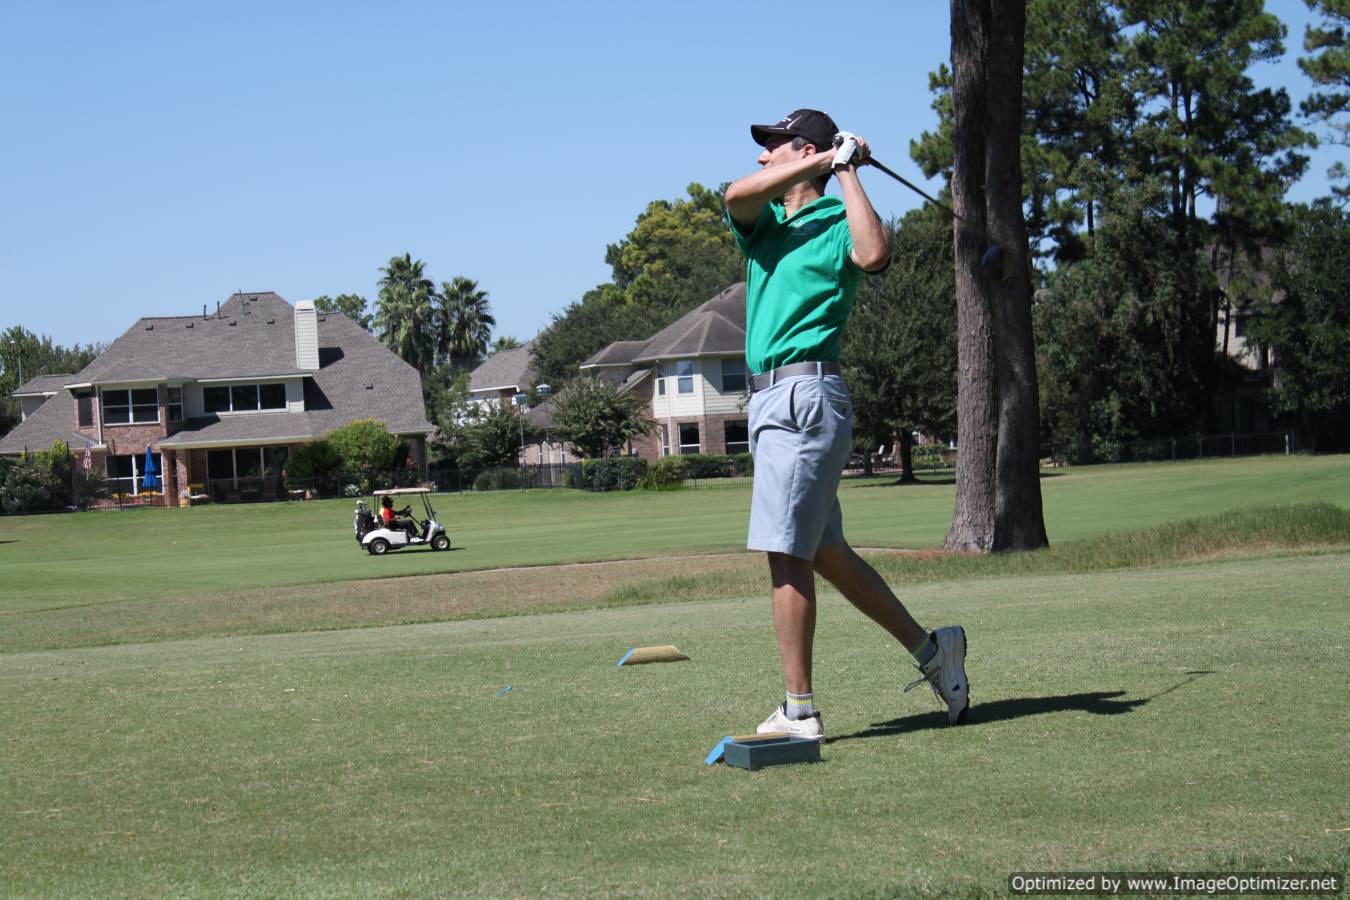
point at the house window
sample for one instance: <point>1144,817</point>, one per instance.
<point>122,474</point>
<point>660,387</point>
<point>216,399</point>
<point>84,409</point>
<point>665,440</point>
<point>138,405</point>
<point>271,396</point>
<point>240,463</point>
<point>737,437</point>
<point>688,438</point>
<point>684,373</point>
<point>244,397</point>
<point>733,376</point>
<point>220,465</point>
<point>175,404</point>
<point>1240,327</point>
<point>125,472</point>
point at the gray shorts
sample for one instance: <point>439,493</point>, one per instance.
<point>801,430</point>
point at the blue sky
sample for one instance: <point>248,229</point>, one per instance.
<point>158,156</point>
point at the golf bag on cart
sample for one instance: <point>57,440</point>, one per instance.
<point>364,522</point>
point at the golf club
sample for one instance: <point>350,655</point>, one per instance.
<point>993,257</point>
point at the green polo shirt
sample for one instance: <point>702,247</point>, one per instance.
<point>799,283</point>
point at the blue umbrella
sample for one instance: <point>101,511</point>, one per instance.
<point>149,479</point>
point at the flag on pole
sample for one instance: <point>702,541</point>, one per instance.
<point>88,462</point>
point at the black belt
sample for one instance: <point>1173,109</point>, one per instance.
<point>760,382</point>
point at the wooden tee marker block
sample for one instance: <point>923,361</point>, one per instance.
<point>636,656</point>
<point>755,751</point>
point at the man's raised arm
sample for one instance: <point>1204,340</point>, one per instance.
<point>746,196</point>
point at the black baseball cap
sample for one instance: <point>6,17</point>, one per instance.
<point>811,124</point>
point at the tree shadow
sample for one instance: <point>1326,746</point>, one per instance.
<point>1100,703</point>
<point>9,542</point>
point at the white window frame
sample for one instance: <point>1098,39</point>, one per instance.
<point>745,443</point>
<point>257,395</point>
<point>743,374</point>
<point>684,376</point>
<point>680,431</point>
<point>174,407</point>
<point>130,406</point>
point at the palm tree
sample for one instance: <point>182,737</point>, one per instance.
<point>404,314</point>
<point>465,319</point>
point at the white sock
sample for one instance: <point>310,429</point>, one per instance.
<point>800,706</point>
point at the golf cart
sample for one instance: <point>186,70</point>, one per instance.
<point>378,540</point>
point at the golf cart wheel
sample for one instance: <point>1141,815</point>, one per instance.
<point>440,542</point>
<point>378,547</point>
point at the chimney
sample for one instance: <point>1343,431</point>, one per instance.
<point>306,335</point>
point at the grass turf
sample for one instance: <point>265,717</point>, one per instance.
<point>86,559</point>
<point>1156,699</point>
<point>1183,717</point>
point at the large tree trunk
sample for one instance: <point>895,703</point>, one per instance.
<point>905,443</point>
<point>998,493</point>
<point>1018,520</point>
<point>972,525</point>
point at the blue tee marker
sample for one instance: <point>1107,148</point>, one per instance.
<point>503,691</point>
<point>716,753</point>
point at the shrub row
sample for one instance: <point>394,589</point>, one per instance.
<point>628,472</point>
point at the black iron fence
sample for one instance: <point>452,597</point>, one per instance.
<point>83,491</point>
<point>1194,446</point>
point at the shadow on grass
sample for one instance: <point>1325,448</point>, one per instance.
<point>1100,703</point>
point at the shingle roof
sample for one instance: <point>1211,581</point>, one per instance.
<point>715,328</point>
<point>253,336</point>
<point>619,353</point>
<point>503,369</point>
<point>358,377</point>
<point>42,384</point>
<point>51,422</point>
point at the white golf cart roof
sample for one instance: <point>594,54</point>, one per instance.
<point>393,492</point>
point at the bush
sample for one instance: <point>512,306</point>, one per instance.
<point>928,456</point>
<point>707,465</point>
<point>620,473</point>
<point>314,466</point>
<point>368,452</point>
<point>27,488</point>
<point>742,465</point>
<point>664,474</point>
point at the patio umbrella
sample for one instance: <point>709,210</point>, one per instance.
<point>149,479</point>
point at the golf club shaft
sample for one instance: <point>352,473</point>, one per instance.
<point>875,163</point>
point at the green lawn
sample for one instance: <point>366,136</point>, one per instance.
<point>98,557</point>
<point>194,706</point>
<point>1188,718</point>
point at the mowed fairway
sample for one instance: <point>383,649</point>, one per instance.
<point>1181,712</point>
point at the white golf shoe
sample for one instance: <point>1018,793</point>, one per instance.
<point>946,672</point>
<point>811,727</point>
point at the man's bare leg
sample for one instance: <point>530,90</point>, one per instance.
<point>794,617</point>
<point>864,588</point>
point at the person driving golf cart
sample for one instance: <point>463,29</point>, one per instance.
<point>392,518</point>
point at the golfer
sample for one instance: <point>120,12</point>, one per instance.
<point>805,254</point>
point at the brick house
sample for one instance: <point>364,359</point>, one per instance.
<point>221,399</point>
<point>693,374</point>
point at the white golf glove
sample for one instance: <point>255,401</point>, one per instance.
<point>846,144</point>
